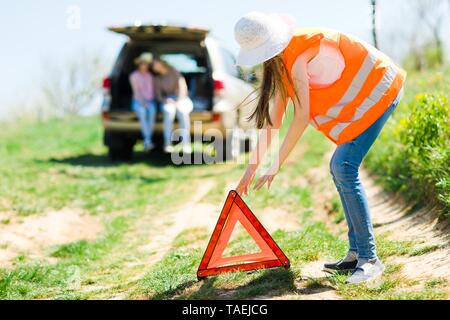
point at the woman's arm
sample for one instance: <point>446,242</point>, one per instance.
<point>264,140</point>
<point>136,89</point>
<point>182,88</point>
<point>299,122</point>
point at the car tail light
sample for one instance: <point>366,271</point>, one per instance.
<point>107,83</point>
<point>216,117</point>
<point>105,115</point>
<point>218,85</point>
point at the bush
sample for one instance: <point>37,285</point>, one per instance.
<point>413,156</point>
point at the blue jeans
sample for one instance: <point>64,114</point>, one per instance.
<point>146,115</point>
<point>344,168</point>
<point>170,110</point>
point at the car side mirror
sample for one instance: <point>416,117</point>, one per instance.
<point>249,76</point>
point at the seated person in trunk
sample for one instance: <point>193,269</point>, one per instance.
<point>171,91</point>
<point>144,104</point>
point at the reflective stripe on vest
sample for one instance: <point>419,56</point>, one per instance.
<point>368,85</point>
<point>377,93</point>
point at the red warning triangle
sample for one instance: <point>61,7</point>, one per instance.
<point>235,210</point>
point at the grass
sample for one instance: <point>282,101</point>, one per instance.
<point>73,169</point>
<point>62,164</point>
<point>174,276</point>
<point>337,208</point>
<point>424,250</point>
<point>35,279</point>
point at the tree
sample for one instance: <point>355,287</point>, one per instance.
<point>430,14</point>
<point>68,89</point>
<point>373,3</point>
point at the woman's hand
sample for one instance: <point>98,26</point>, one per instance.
<point>267,178</point>
<point>264,141</point>
<point>246,180</point>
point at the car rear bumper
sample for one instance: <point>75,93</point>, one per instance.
<point>205,123</point>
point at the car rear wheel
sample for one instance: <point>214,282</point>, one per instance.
<point>120,146</point>
<point>120,154</point>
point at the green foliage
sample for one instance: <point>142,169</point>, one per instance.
<point>425,137</point>
<point>413,156</point>
<point>427,125</point>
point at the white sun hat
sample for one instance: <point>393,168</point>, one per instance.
<point>145,57</point>
<point>262,36</point>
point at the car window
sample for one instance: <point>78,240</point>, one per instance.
<point>229,62</point>
<point>184,63</point>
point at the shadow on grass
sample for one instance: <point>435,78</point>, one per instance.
<point>155,159</point>
<point>271,283</point>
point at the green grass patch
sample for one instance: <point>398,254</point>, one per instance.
<point>387,248</point>
<point>424,250</point>
<point>34,279</point>
<point>436,283</point>
<point>175,274</point>
<point>337,210</point>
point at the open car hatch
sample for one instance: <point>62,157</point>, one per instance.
<point>146,32</point>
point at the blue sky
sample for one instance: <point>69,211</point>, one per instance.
<point>34,33</point>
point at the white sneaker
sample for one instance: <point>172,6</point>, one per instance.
<point>148,146</point>
<point>168,148</point>
<point>366,271</point>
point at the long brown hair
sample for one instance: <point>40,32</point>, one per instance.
<point>274,71</point>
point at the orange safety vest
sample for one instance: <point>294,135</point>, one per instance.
<point>368,85</point>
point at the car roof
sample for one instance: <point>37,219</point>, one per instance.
<point>159,31</point>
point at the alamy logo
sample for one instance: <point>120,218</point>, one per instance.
<point>73,21</point>
<point>229,144</point>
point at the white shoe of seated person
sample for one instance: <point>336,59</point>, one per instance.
<point>168,148</point>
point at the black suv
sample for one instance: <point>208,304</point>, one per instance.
<point>216,86</point>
